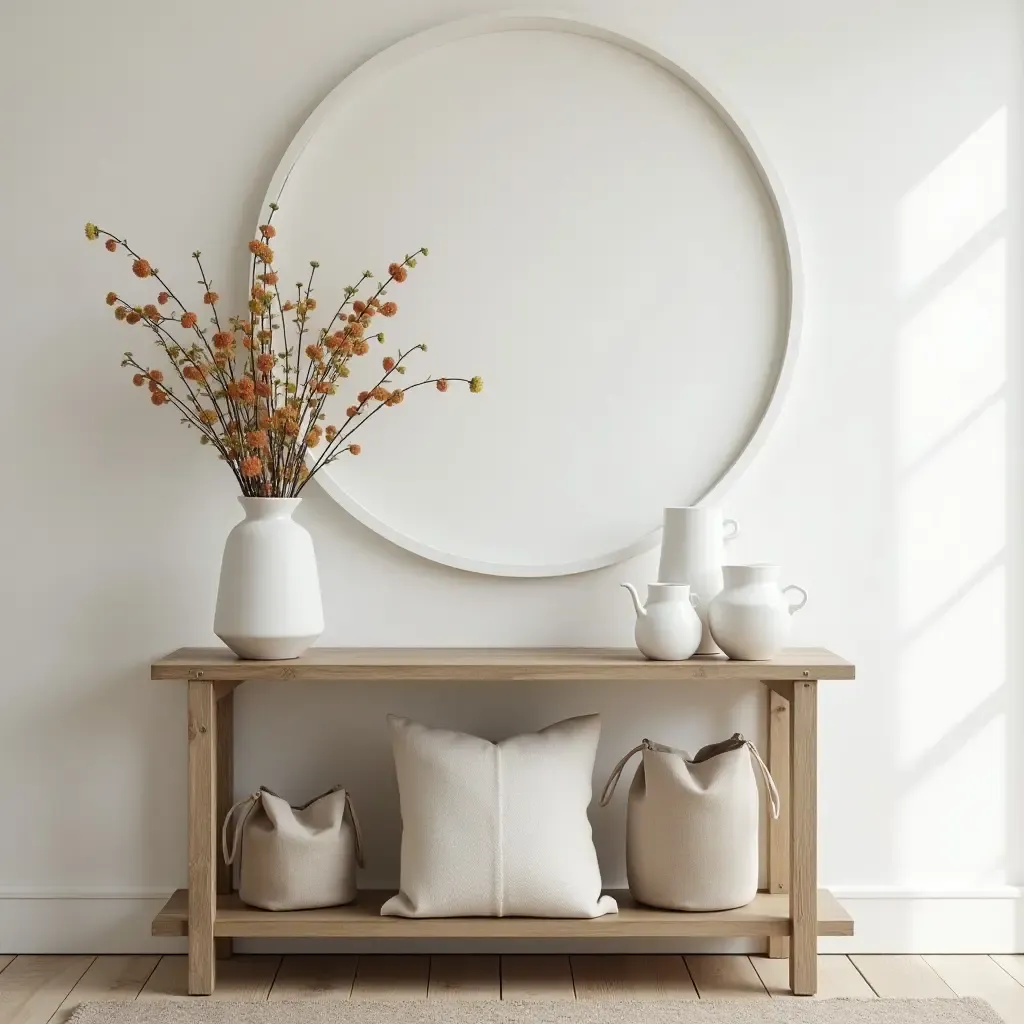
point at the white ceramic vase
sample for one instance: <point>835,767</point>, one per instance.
<point>750,618</point>
<point>692,551</point>
<point>667,628</point>
<point>268,604</point>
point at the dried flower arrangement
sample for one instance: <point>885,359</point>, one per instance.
<point>247,389</point>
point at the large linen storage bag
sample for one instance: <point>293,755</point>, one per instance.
<point>692,825</point>
<point>294,858</point>
<point>497,829</point>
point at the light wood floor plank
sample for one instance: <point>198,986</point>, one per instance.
<point>606,976</point>
<point>464,977</point>
<point>900,977</point>
<point>108,979</point>
<point>242,978</point>
<point>725,977</point>
<point>536,977</point>
<point>1012,963</point>
<point>5,959</point>
<point>837,978</point>
<point>391,977</point>
<point>32,987</point>
<point>314,977</point>
<point>982,977</point>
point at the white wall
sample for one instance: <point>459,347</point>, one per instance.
<point>886,488</point>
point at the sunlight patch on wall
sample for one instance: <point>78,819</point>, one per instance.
<point>953,203</point>
<point>951,440</point>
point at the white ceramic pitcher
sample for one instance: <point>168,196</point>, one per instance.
<point>692,551</point>
<point>668,628</point>
<point>750,618</point>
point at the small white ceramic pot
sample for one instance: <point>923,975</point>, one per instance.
<point>268,603</point>
<point>750,618</point>
<point>668,628</point>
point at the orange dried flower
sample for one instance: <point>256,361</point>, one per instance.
<point>396,397</point>
<point>398,272</point>
<point>442,385</point>
<point>210,298</point>
<point>138,380</point>
<point>360,347</point>
<point>188,320</point>
<point>111,298</point>
<point>120,313</point>
<point>162,298</point>
<point>388,364</point>
<point>222,339</point>
<point>358,306</point>
<point>289,305</point>
<point>261,251</point>
<point>247,389</point>
<point>354,449</point>
<point>257,439</point>
<point>313,437</point>
<point>142,268</point>
<point>265,362</point>
<point>353,410</point>
<point>111,245</point>
<point>264,335</point>
<point>133,317</point>
<point>363,396</point>
<point>157,375</point>
<point>269,277</point>
<point>331,432</point>
<point>268,230</point>
<point>158,398</point>
<point>246,341</point>
<point>193,373</point>
<point>315,352</point>
<point>323,387</point>
<point>381,394</point>
<point>151,311</point>
<point>389,308</point>
<point>310,303</point>
<point>207,416</point>
<point>251,466</point>
<point>262,389</point>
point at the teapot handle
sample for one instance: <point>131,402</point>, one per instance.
<point>796,607</point>
<point>732,529</point>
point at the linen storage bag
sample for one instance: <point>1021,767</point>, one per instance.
<point>692,825</point>
<point>294,858</point>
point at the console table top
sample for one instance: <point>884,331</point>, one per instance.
<point>491,664</point>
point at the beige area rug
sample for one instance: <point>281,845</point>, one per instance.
<point>781,1011</point>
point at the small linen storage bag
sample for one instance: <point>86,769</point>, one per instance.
<point>294,858</point>
<point>692,825</point>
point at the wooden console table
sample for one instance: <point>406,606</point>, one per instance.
<point>790,915</point>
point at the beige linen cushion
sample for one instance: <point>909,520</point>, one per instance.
<point>294,858</point>
<point>692,825</point>
<point>497,829</point>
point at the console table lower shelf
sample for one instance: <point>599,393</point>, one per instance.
<point>768,916</point>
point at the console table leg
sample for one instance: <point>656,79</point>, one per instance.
<point>202,853</point>
<point>803,852</point>
<point>778,830</point>
<point>225,798</point>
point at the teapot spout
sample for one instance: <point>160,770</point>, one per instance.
<point>640,611</point>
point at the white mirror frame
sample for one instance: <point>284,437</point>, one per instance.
<point>488,24</point>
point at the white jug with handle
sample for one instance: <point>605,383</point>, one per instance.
<point>692,551</point>
<point>750,618</point>
<point>668,628</point>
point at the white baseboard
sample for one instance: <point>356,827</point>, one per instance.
<point>887,920</point>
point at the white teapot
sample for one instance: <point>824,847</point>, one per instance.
<point>668,628</point>
<point>750,618</point>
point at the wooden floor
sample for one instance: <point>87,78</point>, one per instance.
<point>40,989</point>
